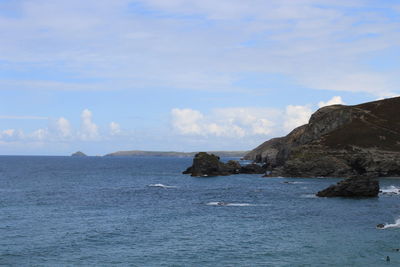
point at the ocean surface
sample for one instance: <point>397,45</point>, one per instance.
<point>105,211</point>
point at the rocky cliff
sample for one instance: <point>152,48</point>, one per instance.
<point>339,141</point>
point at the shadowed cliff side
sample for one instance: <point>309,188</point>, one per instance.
<point>339,141</point>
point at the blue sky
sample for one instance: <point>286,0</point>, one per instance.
<point>184,75</point>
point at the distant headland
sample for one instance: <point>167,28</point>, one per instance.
<point>141,153</point>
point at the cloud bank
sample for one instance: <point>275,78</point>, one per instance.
<point>199,45</point>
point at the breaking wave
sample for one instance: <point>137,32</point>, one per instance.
<point>161,185</point>
<point>390,190</point>
<point>396,224</point>
<point>309,196</point>
<point>220,203</point>
<point>292,182</point>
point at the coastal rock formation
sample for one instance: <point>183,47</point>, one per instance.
<point>205,164</point>
<point>338,141</point>
<point>352,187</point>
<point>78,154</point>
<point>252,169</point>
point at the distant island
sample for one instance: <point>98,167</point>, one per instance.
<point>132,153</point>
<point>78,154</point>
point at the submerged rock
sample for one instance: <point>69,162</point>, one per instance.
<point>352,187</point>
<point>205,164</point>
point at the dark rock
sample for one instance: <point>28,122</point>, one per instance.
<point>205,164</point>
<point>233,166</point>
<point>78,154</point>
<point>352,187</point>
<point>252,169</point>
<point>338,141</point>
<point>188,170</point>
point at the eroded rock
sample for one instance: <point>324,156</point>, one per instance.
<point>352,187</point>
<point>205,164</point>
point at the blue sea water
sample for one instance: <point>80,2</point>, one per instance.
<point>133,211</point>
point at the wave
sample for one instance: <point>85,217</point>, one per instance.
<point>390,190</point>
<point>221,203</point>
<point>396,224</point>
<point>292,182</point>
<point>162,186</point>
<point>309,196</point>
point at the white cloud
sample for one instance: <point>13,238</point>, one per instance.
<point>11,135</point>
<point>89,130</point>
<point>262,126</point>
<point>115,128</point>
<point>296,116</point>
<point>8,132</point>
<point>187,121</point>
<point>64,127</point>
<point>226,122</point>
<point>40,134</point>
<point>333,101</point>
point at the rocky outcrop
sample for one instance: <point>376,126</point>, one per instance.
<point>338,141</point>
<point>78,154</point>
<point>252,169</point>
<point>352,187</point>
<point>205,164</point>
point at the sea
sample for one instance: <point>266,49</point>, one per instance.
<point>141,211</point>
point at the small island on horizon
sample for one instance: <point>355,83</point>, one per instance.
<point>78,154</point>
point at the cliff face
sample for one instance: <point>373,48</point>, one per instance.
<point>339,141</point>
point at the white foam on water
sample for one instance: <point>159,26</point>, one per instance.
<point>396,224</point>
<point>309,196</point>
<point>293,182</point>
<point>161,185</point>
<point>221,203</point>
<point>390,190</point>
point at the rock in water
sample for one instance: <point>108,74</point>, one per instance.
<point>78,154</point>
<point>205,164</point>
<point>352,187</point>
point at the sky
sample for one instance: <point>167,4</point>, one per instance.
<point>185,75</point>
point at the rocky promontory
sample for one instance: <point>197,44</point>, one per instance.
<point>339,141</point>
<point>205,164</point>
